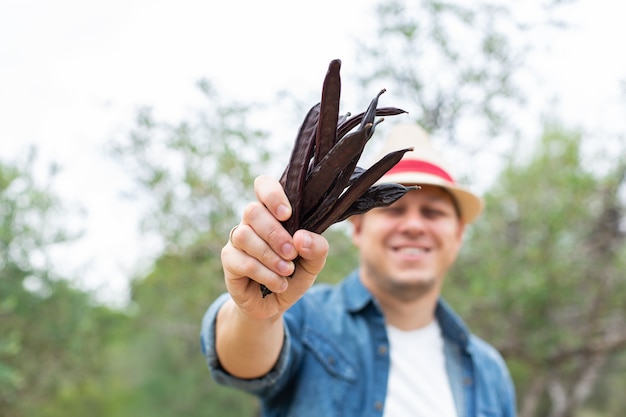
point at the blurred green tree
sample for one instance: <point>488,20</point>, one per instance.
<point>457,67</point>
<point>52,336</point>
<point>196,174</point>
<point>450,62</point>
<point>542,273</point>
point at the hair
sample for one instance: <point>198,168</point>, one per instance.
<point>455,202</point>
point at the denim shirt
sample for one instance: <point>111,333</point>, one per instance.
<point>335,360</point>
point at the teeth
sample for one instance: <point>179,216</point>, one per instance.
<point>412,251</point>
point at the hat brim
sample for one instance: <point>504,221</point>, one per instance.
<point>469,204</point>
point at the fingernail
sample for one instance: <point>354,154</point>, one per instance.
<point>288,249</point>
<point>282,211</point>
<point>284,267</point>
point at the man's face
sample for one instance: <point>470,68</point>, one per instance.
<point>407,248</point>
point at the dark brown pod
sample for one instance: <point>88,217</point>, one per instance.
<point>322,180</point>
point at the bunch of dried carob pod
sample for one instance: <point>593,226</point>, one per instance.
<point>322,180</point>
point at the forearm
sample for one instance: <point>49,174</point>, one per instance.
<point>247,348</point>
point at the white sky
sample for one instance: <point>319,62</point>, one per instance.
<point>73,73</point>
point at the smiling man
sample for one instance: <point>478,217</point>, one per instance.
<point>382,342</point>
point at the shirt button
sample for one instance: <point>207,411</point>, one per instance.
<point>467,380</point>
<point>378,406</point>
<point>382,350</point>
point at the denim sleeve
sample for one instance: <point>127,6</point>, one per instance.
<point>509,399</point>
<point>497,391</point>
<point>504,384</point>
<point>265,385</point>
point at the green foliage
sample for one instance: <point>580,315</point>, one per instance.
<point>52,335</point>
<point>454,64</point>
<point>169,376</point>
<point>165,373</point>
<point>196,173</point>
<point>541,273</point>
<point>342,258</point>
<point>607,400</point>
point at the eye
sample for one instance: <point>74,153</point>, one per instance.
<point>393,210</point>
<point>434,212</point>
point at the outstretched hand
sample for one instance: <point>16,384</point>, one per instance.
<point>261,251</point>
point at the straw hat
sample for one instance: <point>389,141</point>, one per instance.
<point>425,166</point>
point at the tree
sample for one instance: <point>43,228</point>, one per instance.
<point>196,174</point>
<point>542,274</point>
<point>52,334</point>
<point>452,63</point>
<point>196,205</point>
<point>459,69</point>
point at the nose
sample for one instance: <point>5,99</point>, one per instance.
<point>413,223</point>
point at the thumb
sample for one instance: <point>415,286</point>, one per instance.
<point>312,249</point>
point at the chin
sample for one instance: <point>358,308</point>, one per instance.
<point>411,290</point>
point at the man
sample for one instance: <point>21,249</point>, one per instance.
<point>382,342</point>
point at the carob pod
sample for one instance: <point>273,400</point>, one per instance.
<point>326,134</point>
<point>339,187</point>
<point>347,122</point>
<point>380,195</point>
<point>331,175</point>
<point>326,175</point>
<point>343,167</point>
<point>363,193</point>
<point>322,180</point>
<point>296,171</point>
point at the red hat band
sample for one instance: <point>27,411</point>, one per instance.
<point>414,165</point>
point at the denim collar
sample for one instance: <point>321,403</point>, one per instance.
<point>451,324</point>
<point>356,295</point>
<point>357,298</point>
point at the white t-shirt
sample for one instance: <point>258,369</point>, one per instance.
<point>418,383</point>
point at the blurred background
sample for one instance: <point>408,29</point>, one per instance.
<point>130,133</point>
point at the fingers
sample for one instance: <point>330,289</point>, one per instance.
<point>270,193</point>
<point>313,250</point>
<point>254,257</point>
<point>259,249</point>
<point>242,271</point>
<point>270,230</point>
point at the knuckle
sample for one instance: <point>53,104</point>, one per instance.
<point>252,211</point>
<point>275,195</point>
<point>247,266</point>
<point>274,234</point>
<point>261,179</point>
<point>268,256</point>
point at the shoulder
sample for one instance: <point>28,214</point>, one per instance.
<point>491,371</point>
<point>485,351</point>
